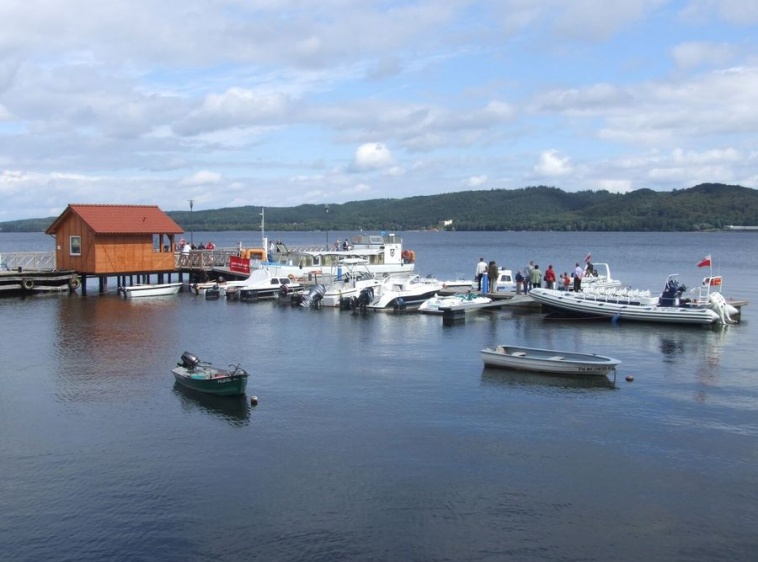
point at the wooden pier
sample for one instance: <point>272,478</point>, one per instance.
<point>27,273</point>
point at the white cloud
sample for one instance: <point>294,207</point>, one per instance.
<point>476,181</point>
<point>200,178</point>
<point>735,12</point>
<point>552,164</point>
<point>692,54</point>
<point>615,186</point>
<point>372,156</point>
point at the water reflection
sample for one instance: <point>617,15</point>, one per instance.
<point>233,409</point>
<point>516,378</point>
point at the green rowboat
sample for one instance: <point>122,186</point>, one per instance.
<point>203,377</point>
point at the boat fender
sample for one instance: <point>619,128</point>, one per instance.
<point>74,283</point>
<point>28,283</point>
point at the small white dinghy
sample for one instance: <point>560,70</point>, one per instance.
<point>150,290</point>
<point>548,360</point>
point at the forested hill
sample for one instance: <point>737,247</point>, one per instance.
<point>703,207</point>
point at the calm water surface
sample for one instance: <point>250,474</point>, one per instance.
<point>381,437</point>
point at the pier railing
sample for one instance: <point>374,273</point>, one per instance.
<point>205,259</point>
<point>31,261</point>
<point>45,261</point>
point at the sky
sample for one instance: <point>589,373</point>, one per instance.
<point>277,103</point>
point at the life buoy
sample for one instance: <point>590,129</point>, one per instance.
<point>291,277</point>
<point>714,281</point>
<point>74,283</point>
<point>28,283</point>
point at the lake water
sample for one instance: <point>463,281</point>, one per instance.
<point>381,436</point>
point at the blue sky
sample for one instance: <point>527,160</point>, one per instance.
<point>277,103</point>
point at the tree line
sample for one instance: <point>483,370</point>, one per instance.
<point>541,208</point>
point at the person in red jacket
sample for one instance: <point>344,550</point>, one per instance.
<point>550,277</point>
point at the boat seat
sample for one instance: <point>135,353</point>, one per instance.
<point>557,357</point>
<point>518,353</point>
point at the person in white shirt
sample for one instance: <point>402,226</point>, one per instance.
<point>481,270</point>
<point>578,274</point>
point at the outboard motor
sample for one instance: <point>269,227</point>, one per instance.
<point>365,298</point>
<point>671,293</point>
<point>189,360</point>
<point>717,303</point>
<point>313,296</point>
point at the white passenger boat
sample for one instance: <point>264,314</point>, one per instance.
<point>401,292</point>
<point>150,290</point>
<point>354,276</point>
<point>548,360</point>
<point>702,306</point>
<point>459,301</point>
<point>384,255</point>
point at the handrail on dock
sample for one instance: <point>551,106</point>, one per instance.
<point>204,259</point>
<point>31,261</point>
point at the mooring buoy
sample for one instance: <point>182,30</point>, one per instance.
<point>253,400</point>
<point>629,378</point>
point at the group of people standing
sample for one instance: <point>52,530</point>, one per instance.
<point>185,247</point>
<point>532,277</point>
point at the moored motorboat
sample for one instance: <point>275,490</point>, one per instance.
<point>598,275</point>
<point>505,281</point>
<point>459,301</point>
<point>548,360</point>
<point>261,283</point>
<point>403,292</point>
<point>203,377</point>
<point>354,276</point>
<point>704,306</point>
<point>150,290</point>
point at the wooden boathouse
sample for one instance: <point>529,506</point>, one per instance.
<point>125,241</point>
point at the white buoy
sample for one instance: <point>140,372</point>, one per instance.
<point>253,400</point>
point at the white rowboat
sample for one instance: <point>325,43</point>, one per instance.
<point>548,360</point>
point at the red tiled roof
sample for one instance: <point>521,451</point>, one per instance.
<point>122,219</point>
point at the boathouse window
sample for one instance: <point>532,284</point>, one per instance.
<point>75,245</point>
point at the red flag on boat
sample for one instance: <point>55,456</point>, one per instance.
<point>588,257</point>
<point>705,262</point>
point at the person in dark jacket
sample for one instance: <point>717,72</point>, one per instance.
<point>492,272</point>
